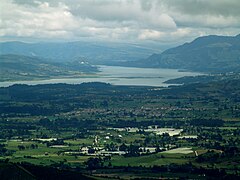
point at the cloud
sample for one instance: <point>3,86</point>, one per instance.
<point>204,13</point>
<point>134,12</point>
<point>150,34</point>
<point>201,7</point>
<point>42,20</point>
<point>125,20</point>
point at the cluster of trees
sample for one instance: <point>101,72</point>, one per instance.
<point>207,122</point>
<point>66,123</point>
<point>4,151</point>
<point>32,146</point>
<point>184,170</point>
<point>97,162</point>
<point>15,128</point>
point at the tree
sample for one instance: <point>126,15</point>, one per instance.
<point>91,150</point>
<point>123,147</point>
<point>133,150</point>
<point>21,147</point>
<point>3,150</point>
<point>94,163</point>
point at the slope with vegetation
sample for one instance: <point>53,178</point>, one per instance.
<point>214,54</point>
<point>19,67</point>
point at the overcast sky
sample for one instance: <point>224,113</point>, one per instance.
<point>162,21</point>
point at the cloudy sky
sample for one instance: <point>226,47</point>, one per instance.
<point>162,21</point>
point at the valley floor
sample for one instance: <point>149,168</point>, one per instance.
<point>127,132</point>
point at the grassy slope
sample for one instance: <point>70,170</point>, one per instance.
<point>18,67</point>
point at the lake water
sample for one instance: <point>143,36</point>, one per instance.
<point>118,76</point>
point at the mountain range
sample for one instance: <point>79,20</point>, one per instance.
<point>26,61</point>
<point>93,52</point>
<point>214,54</point>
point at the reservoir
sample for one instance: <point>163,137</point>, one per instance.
<point>117,75</point>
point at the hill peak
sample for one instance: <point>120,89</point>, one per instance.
<point>215,54</point>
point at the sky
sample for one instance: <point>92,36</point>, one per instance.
<point>133,21</point>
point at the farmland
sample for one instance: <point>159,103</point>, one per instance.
<point>103,130</point>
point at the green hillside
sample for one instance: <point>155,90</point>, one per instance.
<point>205,54</point>
<point>19,67</point>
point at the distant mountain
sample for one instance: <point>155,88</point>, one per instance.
<point>19,67</point>
<point>94,52</point>
<point>205,54</point>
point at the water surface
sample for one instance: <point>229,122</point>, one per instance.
<point>117,75</point>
